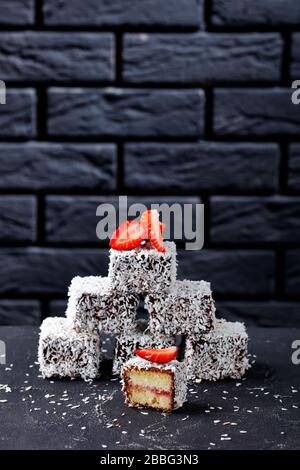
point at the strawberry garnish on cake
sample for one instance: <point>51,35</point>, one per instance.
<point>162,227</point>
<point>134,233</point>
<point>155,379</point>
<point>153,229</point>
<point>158,355</point>
<point>128,235</point>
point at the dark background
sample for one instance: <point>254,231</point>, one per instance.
<point>186,99</point>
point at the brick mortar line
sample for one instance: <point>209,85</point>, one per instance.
<point>41,111</point>
<point>38,13</point>
<point>153,86</point>
<point>254,29</point>
<point>207,14</point>
<point>41,220</point>
<point>283,169</point>
<point>172,140</point>
<point>140,29</point>
<point>118,58</point>
<point>209,115</point>
<point>120,168</point>
<point>279,291</point>
<point>86,192</point>
<point>286,60</point>
<point>73,139</point>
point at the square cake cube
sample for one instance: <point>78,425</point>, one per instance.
<point>220,354</point>
<point>95,306</point>
<point>127,343</point>
<point>65,353</point>
<point>187,309</point>
<point>146,384</point>
<point>143,269</point>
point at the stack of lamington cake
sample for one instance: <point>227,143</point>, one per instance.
<point>71,346</point>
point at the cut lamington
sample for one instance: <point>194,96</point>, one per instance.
<point>127,343</point>
<point>95,306</point>
<point>148,384</point>
<point>220,354</point>
<point>65,353</point>
<point>143,269</point>
<point>187,309</point>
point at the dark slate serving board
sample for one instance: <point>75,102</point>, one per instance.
<point>260,412</point>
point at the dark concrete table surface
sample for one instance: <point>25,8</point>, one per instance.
<point>261,411</point>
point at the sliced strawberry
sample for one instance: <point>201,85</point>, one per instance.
<point>158,355</point>
<point>153,229</point>
<point>148,219</point>
<point>128,235</point>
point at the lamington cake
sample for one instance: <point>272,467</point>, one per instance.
<point>220,354</point>
<point>127,343</point>
<point>95,306</point>
<point>148,384</point>
<point>143,269</point>
<point>65,353</point>
<point>187,309</point>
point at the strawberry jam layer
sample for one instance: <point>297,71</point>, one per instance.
<point>141,388</point>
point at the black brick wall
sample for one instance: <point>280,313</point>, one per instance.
<point>184,100</point>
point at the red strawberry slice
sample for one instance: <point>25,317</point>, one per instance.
<point>145,221</point>
<point>150,221</point>
<point>162,227</point>
<point>158,355</point>
<point>128,235</point>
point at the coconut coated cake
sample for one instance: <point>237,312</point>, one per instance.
<point>220,354</point>
<point>64,353</point>
<point>147,384</point>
